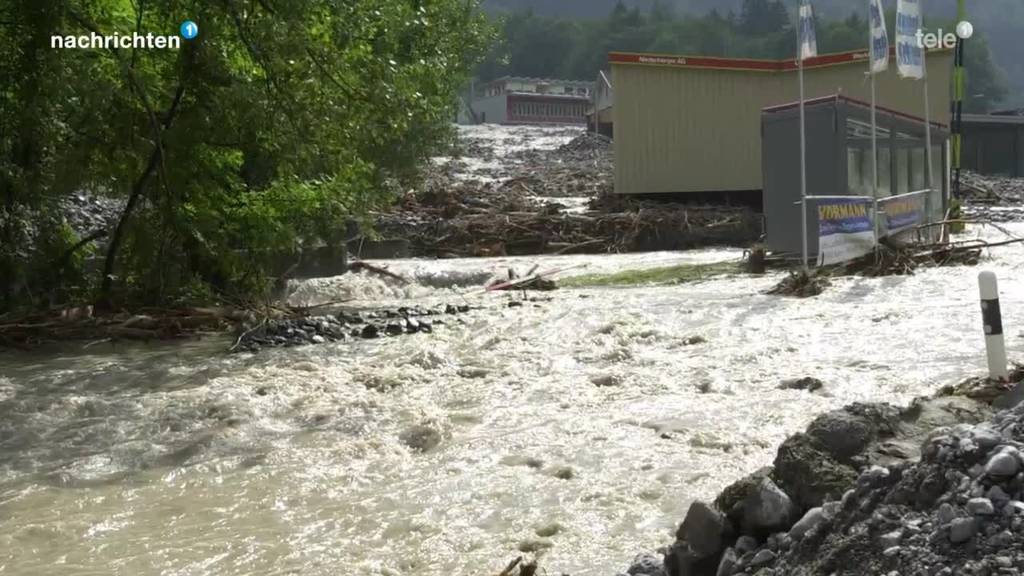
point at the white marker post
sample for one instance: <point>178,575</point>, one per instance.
<point>995,346</point>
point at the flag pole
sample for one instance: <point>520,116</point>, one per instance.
<point>803,137</point>
<point>874,121</point>
<point>927,127</point>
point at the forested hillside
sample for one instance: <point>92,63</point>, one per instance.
<point>570,37</point>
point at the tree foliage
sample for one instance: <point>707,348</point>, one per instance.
<point>281,120</point>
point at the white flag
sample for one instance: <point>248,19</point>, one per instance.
<point>909,53</point>
<point>808,42</point>
<point>879,39</point>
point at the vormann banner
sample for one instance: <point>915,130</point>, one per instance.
<point>845,229</point>
<point>903,212</point>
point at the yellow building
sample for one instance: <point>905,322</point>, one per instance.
<point>693,124</point>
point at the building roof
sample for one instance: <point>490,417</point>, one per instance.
<point>744,64</point>
<point>1003,119</point>
<point>835,98</point>
<point>548,97</point>
<point>531,80</point>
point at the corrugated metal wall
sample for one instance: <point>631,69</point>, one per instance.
<point>683,129</point>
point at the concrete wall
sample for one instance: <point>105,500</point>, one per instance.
<point>994,148</point>
<point>493,110</point>
<point>688,129</point>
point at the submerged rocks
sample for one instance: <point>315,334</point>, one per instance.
<point>807,383</point>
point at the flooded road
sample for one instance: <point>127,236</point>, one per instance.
<point>580,427</point>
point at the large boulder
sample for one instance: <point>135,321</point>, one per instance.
<point>809,474</point>
<point>705,530</point>
<point>767,509</point>
<point>731,498</point>
<point>847,432</point>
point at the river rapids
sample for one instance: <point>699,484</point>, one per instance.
<point>578,426</point>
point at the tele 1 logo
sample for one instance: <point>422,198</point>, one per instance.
<point>940,39</point>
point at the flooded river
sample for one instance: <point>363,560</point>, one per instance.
<point>580,426</point>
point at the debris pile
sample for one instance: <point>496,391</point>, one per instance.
<point>992,189</point>
<point>548,201</point>
<point>801,285</point>
<point>466,226</point>
<point>936,488</point>
<point>992,198</point>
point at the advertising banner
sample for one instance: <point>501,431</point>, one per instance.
<point>909,51</point>
<point>845,230</point>
<point>903,212</point>
<point>879,39</point>
<point>808,40</point>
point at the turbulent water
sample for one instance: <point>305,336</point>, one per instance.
<point>579,426</point>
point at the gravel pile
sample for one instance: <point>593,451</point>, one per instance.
<point>934,489</point>
<point>87,213</point>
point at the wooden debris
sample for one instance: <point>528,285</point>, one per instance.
<point>801,285</point>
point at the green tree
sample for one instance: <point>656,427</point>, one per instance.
<point>281,120</point>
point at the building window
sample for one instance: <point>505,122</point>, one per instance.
<point>858,159</point>
<point>911,163</point>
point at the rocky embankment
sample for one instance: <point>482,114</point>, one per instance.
<point>932,489</point>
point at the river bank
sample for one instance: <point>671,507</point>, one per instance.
<point>869,489</point>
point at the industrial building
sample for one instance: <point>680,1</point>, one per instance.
<point>693,124</point>
<point>516,100</point>
<point>993,144</point>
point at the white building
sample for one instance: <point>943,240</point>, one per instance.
<point>517,100</point>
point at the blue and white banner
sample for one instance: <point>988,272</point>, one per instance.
<point>808,40</point>
<point>909,52</point>
<point>879,38</point>
<point>846,229</point>
<point>903,212</point>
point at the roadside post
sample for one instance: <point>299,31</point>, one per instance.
<point>995,345</point>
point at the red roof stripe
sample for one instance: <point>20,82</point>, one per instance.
<point>749,64</point>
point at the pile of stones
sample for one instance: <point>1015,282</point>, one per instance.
<point>934,489</point>
<point>345,326</point>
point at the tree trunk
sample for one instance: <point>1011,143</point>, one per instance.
<point>155,158</point>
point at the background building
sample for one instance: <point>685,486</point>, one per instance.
<point>515,100</point>
<point>686,124</point>
<point>599,117</point>
<point>994,143</point>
